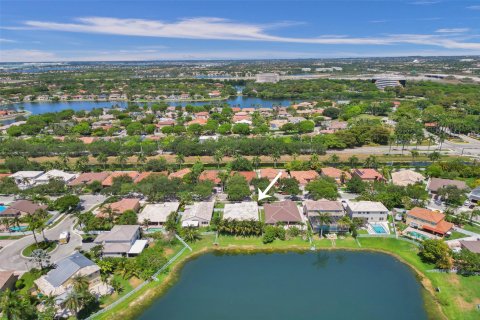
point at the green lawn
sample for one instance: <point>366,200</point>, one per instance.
<point>472,228</point>
<point>48,246</point>
<point>456,235</point>
<point>25,282</point>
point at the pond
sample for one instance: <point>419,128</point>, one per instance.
<point>236,101</point>
<point>313,285</point>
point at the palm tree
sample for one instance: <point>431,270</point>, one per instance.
<point>190,234</point>
<point>256,161</point>
<point>371,162</point>
<point>64,160</point>
<point>434,156</point>
<point>10,304</point>
<point>344,222</point>
<point>73,303</point>
<point>323,219</point>
<point>103,159</point>
<point>275,157</point>
<point>146,223</point>
<point>33,225</point>
<point>334,159</point>
<point>431,139</point>
<point>218,157</point>
<point>391,140</point>
<point>42,215</point>
<point>81,163</point>
<point>141,159</point>
<point>7,223</point>
<point>180,159</point>
<point>414,154</point>
<point>441,139</point>
<point>353,161</point>
<point>109,212</point>
<point>80,283</point>
<point>122,160</point>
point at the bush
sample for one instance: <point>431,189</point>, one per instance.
<point>269,234</point>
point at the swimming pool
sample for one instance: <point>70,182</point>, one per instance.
<point>2,208</point>
<point>18,229</point>
<point>418,235</point>
<point>379,229</point>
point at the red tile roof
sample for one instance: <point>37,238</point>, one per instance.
<point>211,175</point>
<point>334,173</point>
<point>109,180</point>
<point>427,215</point>
<point>271,173</point>
<point>304,177</point>
<point>368,174</point>
<point>180,173</point>
<point>284,211</point>
<point>249,175</point>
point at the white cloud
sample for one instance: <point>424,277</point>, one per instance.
<point>21,55</point>
<point>453,30</point>
<point>222,29</point>
<point>474,7</point>
<point>425,3</point>
<point>7,40</point>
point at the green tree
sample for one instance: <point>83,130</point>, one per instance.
<point>436,251</point>
<point>323,188</point>
<point>237,188</point>
<point>190,234</point>
<point>67,203</point>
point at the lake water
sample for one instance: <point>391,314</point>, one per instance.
<point>237,101</point>
<point>324,285</point>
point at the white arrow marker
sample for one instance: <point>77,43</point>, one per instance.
<point>263,194</point>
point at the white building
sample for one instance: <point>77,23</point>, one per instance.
<point>26,179</point>
<point>267,78</point>
<point>370,211</point>
<point>55,174</point>
<point>157,213</point>
<point>119,241</point>
<point>241,211</point>
<point>198,214</point>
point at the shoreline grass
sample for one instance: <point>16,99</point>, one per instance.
<point>456,300</point>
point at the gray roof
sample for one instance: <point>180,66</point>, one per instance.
<point>437,183</point>
<point>66,268</point>
<point>473,246</point>
<point>475,194</point>
<point>202,210</point>
<point>119,233</point>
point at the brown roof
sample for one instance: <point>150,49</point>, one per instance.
<point>199,121</point>
<point>180,173</point>
<point>109,180</point>
<point>304,177</point>
<point>271,173</point>
<point>211,175</point>
<point>442,227</point>
<point>248,175</point>
<point>284,211</point>
<point>427,215</point>
<point>368,174</point>
<point>334,173</point>
<point>89,177</point>
<point>323,205</point>
<point>436,183</point>
<point>473,246</point>
<point>121,206</point>
<point>25,206</point>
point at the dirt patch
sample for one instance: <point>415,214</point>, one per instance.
<point>135,282</point>
<point>169,251</point>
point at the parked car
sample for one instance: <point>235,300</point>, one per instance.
<point>64,237</point>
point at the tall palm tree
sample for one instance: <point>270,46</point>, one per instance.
<point>431,139</point>
<point>10,304</point>
<point>323,219</point>
<point>81,163</point>
<point>122,160</point>
<point>33,225</point>
<point>190,234</point>
<point>275,157</point>
<point>334,159</point>
<point>218,157</point>
<point>102,159</point>
<point>180,159</point>
<point>141,159</point>
<point>73,302</point>
<point>371,162</point>
<point>7,223</point>
<point>256,161</point>
<point>80,283</point>
<point>353,161</point>
<point>391,140</point>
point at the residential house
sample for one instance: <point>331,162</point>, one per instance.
<point>88,178</point>
<point>202,115</point>
<point>119,207</point>
<point>200,121</point>
<point>108,182</point>
<point>368,175</point>
<point>118,241</point>
<point>282,212</point>
<point>304,177</point>
<point>474,195</point>
<point>59,281</point>
<point>334,209</point>
<point>428,220</point>
<point>198,214</point>
<point>180,173</point>
<point>277,124</point>
<point>248,175</point>
<point>406,177</point>
<point>340,176</point>
<point>57,175</point>
<point>370,211</point>
<point>7,280</point>
<point>435,184</point>
<point>271,173</point>
<point>26,179</point>
<point>241,211</point>
<point>156,214</point>
<point>21,208</point>
<point>211,175</point>
<point>472,246</point>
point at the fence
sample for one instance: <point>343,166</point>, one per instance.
<point>143,284</point>
<point>389,236</point>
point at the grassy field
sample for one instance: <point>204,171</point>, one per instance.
<point>457,298</point>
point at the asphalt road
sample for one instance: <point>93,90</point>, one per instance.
<point>10,256</point>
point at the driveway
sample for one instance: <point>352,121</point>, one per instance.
<point>90,201</point>
<point>10,255</point>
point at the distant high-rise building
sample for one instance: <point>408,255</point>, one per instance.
<point>267,78</point>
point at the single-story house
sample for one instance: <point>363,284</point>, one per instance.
<point>211,175</point>
<point>120,206</point>
<point>7,280</point>
<point>334,209</point>
<point>304,177</point>
<point>428,220</point>
<point>284,211</point>
<point>108,182</point>
<point>241,211</point>
<point>198,214</point>
<point>340,176</point>
<point>472,246</point>
<point>370,211</point>
<point>474,195</point>
<point>180,173</point>
<point>55,174</point>
<point>118,241</point>
<point>89,177</point>
<point>26,179</point>
<point>435,184</point>
<point>368,174</point>
<point>59,280</point>
<point>21,208</point>
<point>157,213</point>
<point>271,173</point>
<point>406,177</point>
<point>248,175</point>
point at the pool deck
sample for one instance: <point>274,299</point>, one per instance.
<point>384,225</point>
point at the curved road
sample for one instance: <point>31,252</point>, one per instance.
<point>10,256</point>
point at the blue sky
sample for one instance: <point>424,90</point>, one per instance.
<point>89,30</point>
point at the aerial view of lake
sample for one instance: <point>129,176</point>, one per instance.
<point>237,101</point>
<point>285,286</point>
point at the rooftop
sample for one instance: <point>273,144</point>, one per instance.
<point>158,212</point>
<point>66,268</point>
<point>202,210</point>
<point>437,183</point>
<point>118,233</point>
<point>365,206</point>
<point>473,246</point>
<point>426,215</point>
<point>406,177</point>
<point>247,210</point>
<point>284,211</point>
<point>323,205</point>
